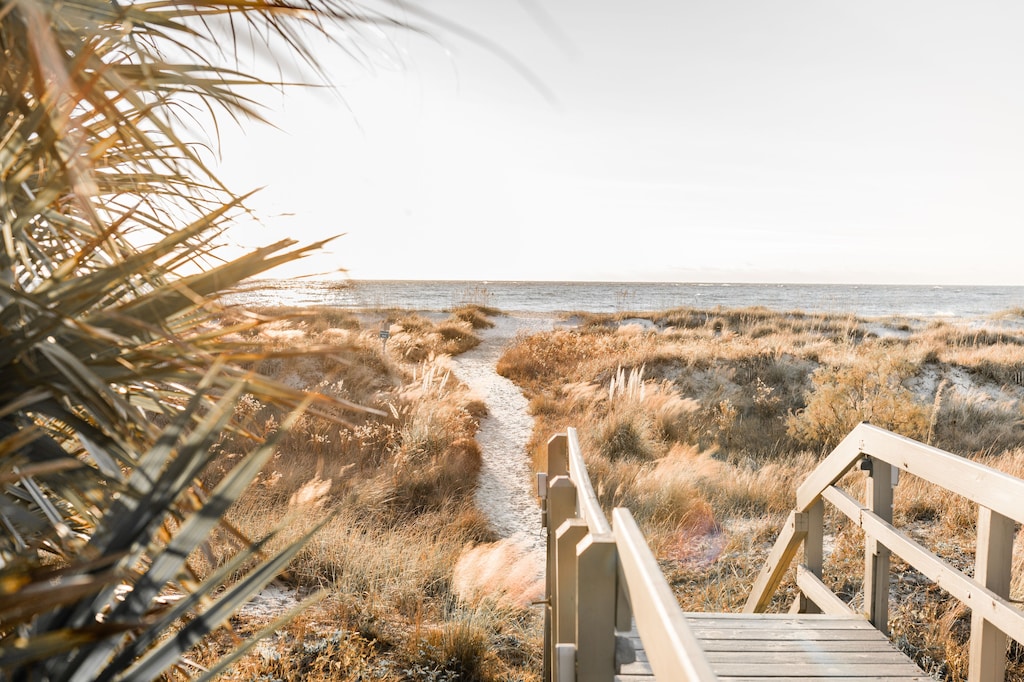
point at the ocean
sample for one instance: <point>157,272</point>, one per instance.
<point>863,300</point>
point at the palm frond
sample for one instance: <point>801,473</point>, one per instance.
<point>117,375</point>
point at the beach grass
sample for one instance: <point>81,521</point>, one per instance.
<point>402,552</point>
<point>704,422</point>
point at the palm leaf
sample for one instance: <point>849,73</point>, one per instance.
<point>167,562</point>
<point>110,219</point>
<point>154,663</point>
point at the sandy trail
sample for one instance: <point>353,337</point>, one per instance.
<point>506,493</point>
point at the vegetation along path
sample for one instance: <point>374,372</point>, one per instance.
<point>505,493</point>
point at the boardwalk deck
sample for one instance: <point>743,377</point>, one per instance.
<point>748,647</point>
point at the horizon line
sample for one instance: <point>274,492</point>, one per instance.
<point>326,277</point>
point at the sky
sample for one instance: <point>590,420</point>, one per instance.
<point>657,140</point>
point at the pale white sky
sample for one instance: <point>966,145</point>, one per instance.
<point>720,140</point>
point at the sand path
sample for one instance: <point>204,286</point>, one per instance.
<point>506,493</point>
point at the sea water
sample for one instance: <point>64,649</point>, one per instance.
<point>865,300</point>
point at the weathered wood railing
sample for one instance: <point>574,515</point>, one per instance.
<point>1000,500</point>
<point>600,580</point>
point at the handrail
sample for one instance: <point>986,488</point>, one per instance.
<point>998,495</point>
<point>616,571</point>
<point>672,648</point>
<point>989,487</point>
<point>586,499</point>
<point>973,594</point>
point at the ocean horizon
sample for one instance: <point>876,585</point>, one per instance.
<point>865,300</point>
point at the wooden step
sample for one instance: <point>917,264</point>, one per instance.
<point>749,647</point>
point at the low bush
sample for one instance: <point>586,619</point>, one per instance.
<point>477,316</point>
<point>870,388</point>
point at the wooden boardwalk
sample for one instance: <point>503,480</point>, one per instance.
<point>809,647</point>
<point>611,614</point>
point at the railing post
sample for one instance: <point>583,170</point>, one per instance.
<point>623,610</point>
<point>565,663</point>
<point>878,499</point>
<point>992,568</point>
<point>558,455</point>
<point>561,505</point>
<point>595,624</point>
<point>567,538</point>
<point>557,465</point>
<point>814,550</point>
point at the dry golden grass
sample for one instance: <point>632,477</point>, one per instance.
<point>477,315</point>
<point>396,490</point>
<point>705,424</point>
<point>504,573</point>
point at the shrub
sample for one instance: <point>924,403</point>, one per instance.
<point>476,316</point>
<point>454,652</point>
<point>870,388</point>
<point>456,337</point>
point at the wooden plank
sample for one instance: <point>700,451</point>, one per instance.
<point>793,670</point>
<point>818,592</point>
<point>586,499</point>
<point>776,658</point>
<point>773,647</point>
<point>781,634</point>
<point>831,678</point>
<point>792,534</point>
<point>826,629</point>
<point>565,595</point>
<point>595,622</point>
<point>623,611</point>
<point>637,668</point>
<point>751,617</point>
<point>821,621</point>
<point>842,626</point>
<point>814,554</point>
<point>565,663</point>
<point>561,505</point>
<point>878,495</point>
<point>813,646</point>
<point>558,456</point>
